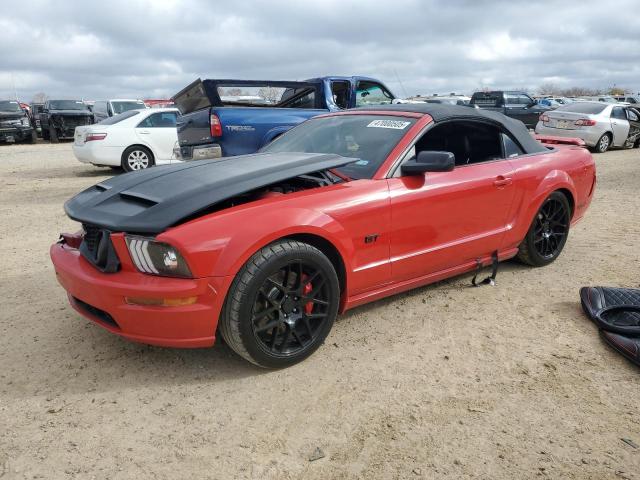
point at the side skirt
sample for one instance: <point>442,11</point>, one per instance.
<point>394,288</point>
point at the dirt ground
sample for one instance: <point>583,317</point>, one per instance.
<point>446,381</point>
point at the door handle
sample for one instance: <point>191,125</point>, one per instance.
<point>501,181</point>
<point>143,131</point>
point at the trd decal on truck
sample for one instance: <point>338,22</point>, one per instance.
<point>240,128</point>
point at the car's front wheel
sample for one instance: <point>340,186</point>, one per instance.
<point>281,305</point>
<point>548,232</point>
<point>136,158</point>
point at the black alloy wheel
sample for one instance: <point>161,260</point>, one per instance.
<point>281,305</point>
<point>290,308</point>
<point>548,232</point>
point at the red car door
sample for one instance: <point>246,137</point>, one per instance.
<point>444,219</point>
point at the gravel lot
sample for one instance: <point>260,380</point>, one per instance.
<point>445,381</point>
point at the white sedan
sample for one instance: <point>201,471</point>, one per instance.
<point>133,140</point>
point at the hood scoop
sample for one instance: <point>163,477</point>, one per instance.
<point>150,201</point>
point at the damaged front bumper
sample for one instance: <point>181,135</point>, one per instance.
<point>65,125</point>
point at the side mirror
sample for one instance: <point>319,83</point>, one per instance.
<point>427,161</point>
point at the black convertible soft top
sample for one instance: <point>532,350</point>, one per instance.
<point>442,112</point>
<point>150,201</point>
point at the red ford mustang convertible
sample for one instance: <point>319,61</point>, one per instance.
<point>344,209</point>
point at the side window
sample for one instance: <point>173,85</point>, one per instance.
<point>340,90</point>
<point>159,120</point>
<point>298,98</point>
<point>618,112</point>
<point>510,99</point>
<point>517,99</point>
<point>631,115</point>
<point>369,93</point>
<point>470,142</point>
<point>511,148</point>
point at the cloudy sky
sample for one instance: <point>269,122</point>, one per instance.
<point>153,48</point>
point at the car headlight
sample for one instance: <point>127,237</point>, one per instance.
<point>157,258</point>
<point>25,122</point>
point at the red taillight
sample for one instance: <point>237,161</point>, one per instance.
<point>95,136</point>
<point>216,126</point>
<point>585,122</point>
<point>544,118</point>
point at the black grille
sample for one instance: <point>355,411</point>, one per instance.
<point>98,249</point>
<point>96,312</point>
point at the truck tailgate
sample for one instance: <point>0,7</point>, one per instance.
<point>193,128</point>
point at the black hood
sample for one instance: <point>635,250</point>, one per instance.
<point>11,116</point>
<point>150,201</point>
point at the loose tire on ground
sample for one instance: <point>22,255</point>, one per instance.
<point>548,232</point>
<point>281,305</point>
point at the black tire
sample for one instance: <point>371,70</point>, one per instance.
<point>288,326</point>
<point>548,232</point>
<point>53,135</point>
<point>136,158</point>
<point>604,143</point>
<point>33,138</point>
<point>45,133</point>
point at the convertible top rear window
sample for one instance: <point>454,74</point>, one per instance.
<point>582,107</point>
<point>367,138</point>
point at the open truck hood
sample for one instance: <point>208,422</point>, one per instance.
<point>150,201</point>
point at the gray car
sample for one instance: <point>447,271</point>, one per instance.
<point>601,125</point>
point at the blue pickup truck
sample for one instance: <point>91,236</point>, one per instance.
<point>221,118</point>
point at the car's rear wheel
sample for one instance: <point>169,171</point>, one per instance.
<point>603,143</point>
<point>548,232</point>
<point>137,158</point>
<point>281,305</point>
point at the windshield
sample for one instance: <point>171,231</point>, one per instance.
<point>118,118</point>
<point>9,106</point>
<point>368,138</point>
<point>119,107</point>
<point>591,108</point>
<point>67,105</point>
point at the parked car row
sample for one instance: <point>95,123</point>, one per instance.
<point>55,120</point>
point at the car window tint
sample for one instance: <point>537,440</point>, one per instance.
<point>590,108</point>
<point>470,142</point>
<point>618,112</point>
<point>631,115</point>
<point>511,148</point>
<point>369,93</point>
<point>118,118</point>
<point>159,120</point>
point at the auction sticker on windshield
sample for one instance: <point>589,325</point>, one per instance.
<point>395,124</point>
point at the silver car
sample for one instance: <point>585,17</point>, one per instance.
<point>600,125</point>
